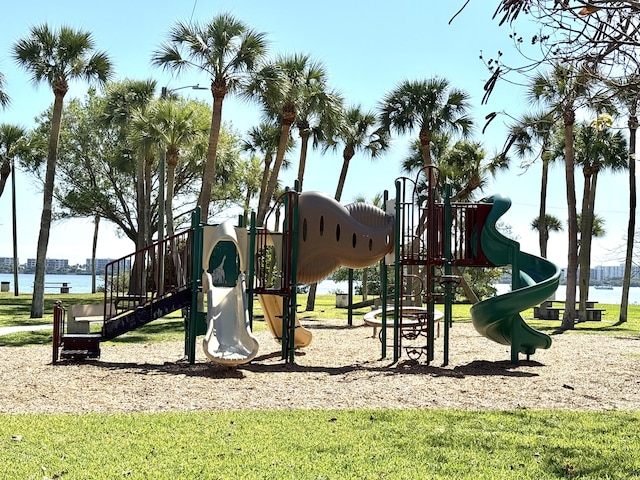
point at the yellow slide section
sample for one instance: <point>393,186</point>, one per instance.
<point>272,308</point>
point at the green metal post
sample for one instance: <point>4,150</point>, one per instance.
<point>516,334</point>
<point>284,342</point>
<point>447,270</point>
<point>293,287</point>
<point>383,288</point>
<point>252,267</point>
<point>397,285</point>
<point>196,282</point>
<point>350,299</point>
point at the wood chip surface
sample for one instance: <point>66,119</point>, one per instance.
<point>341,369</point>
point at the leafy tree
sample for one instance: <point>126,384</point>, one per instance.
<point>581,32</point>
<point>227,50</point>
<point>56,57</point>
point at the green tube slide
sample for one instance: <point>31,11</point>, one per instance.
<point>534,279</point>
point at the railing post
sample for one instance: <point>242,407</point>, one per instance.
<point>252,267</point>
<point>196,282</point>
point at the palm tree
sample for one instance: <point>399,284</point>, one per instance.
<point>4,97</point>
<point>561,92</point>
<point>56,57</point>
<point>264,139</point>
<point>527,133</point>
<point>125,101</point>
<point>430,107</point>
<point>281,88</point>
<point>627,93</point>
<point>597,148</point>
<point>550,224</point>
<point>227,50</point>
<point>318,114</point>
<point>462,165</point>
<point>172,124</point>
<point>357,132</point>
<point>10,136</point>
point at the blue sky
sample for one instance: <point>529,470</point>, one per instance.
<point>367,48</point>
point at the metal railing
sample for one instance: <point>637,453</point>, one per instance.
<point>59,318</point>
<point>148,274</point>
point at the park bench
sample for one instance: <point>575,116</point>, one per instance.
<point>64,287</point>
<point>547,311</point>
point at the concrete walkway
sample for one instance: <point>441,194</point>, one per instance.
<point>23,328</point>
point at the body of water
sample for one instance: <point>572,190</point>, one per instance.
<point>77,283</point>
<point>82,284</point>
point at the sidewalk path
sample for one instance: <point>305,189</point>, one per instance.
<point>23,328</point>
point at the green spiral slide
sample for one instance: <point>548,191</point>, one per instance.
<point>534,279</point>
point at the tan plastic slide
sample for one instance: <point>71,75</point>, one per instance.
<point>272,308</point>
<point>228,340</point>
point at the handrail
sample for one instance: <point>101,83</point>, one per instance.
<point>59,316</point>
<point>148,274</point>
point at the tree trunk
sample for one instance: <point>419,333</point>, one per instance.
<point>311,299</point>
<point>37,302</point>
<point>631,228</point>
<point>304,146</point>
<point>141,241</point>
<point>5,171</point>
<point>273,178</point>
<point>209,175</point>
<point>586,224</point>
<point>346,158</point>
<point>94,247</point>
<point>146,220</point>
<point>264,182</point>
<point>568,319</point>
<point>171,177</point>
<point>543,234</point>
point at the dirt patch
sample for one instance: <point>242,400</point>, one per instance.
<point>342,368</point>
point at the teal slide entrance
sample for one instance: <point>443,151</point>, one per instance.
<point>534,279</point>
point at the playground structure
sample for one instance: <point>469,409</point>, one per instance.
<point>214,272</point>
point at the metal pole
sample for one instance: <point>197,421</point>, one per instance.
<point>397,279</point>
<point>350,299</point>
<point>383,291</point>
<point>161,205</point>
<point>15,228</point>
<point>447,270</point>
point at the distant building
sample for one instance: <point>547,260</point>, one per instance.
<point>6,262</point>
<point>6,265</point>
<point>603,273</point>
<point>51,264</point>
<point>102,262</point>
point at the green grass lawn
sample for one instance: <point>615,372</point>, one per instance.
<point>327,444</point>
<point>361,444</point>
